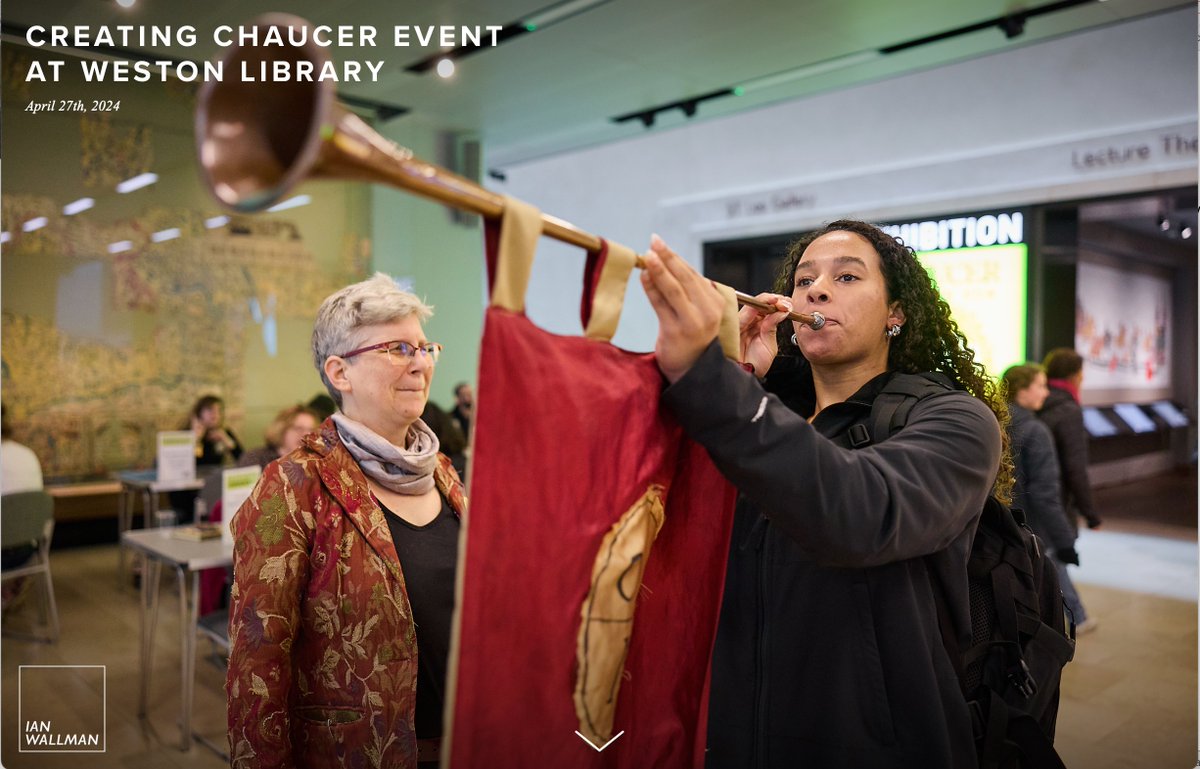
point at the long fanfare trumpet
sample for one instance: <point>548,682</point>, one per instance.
<point>256,141</point>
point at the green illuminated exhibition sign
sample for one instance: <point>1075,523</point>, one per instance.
<point>980,266</point>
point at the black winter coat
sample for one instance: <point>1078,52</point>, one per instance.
<point>1037,490</point>
<point>828,652</point>
<point>1064,417</point>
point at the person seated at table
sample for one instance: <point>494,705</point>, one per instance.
<point>214,441</point>
<point>216,445</point>
<point>20,471</point>
<point>344,559</point>
<point>282,436</point>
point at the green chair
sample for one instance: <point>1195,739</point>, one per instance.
<point>27,518</point>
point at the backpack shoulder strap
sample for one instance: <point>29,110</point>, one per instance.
<point>889,412</point>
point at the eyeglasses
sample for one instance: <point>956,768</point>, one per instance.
<point>399,353</point>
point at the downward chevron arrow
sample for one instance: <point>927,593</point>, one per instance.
<point>602,747</point>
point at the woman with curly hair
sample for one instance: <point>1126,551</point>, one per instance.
<point>829,651</point>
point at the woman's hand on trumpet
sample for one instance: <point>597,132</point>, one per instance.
<point>759,345</point>
<point>688,307</point>
<point>689,310</point>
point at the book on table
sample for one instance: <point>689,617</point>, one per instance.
<point>197,531</point>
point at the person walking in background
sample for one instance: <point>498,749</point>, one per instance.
<point>1063,415</point>
<point>1037,490</point>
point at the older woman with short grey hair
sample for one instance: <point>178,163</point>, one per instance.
<point>345,556</point>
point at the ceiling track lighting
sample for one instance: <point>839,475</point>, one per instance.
<point>534,22</point>
<point>1012,25</point>
<point>688,107</point>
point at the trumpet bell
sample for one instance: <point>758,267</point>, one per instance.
<point>254,144</point>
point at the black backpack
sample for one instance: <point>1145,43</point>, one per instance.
<point>1020,640</point>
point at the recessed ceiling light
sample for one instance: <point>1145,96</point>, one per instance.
<point>126,3</point>
<point>35,224</point>
<point>137,182</point>
<point>293,202</point>
<point>76,207</point>
<point>445,68</point>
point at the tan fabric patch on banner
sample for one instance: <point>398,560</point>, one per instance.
<point>610,293</point>
<point>607,614</point>
<point>520,228</point>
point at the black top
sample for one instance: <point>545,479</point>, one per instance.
<point>1064,417</point>
<point>828,651</point>
<point>1037,489</point>
<point>428,560</point>
<point>213,452</point>
<point>463,420</point>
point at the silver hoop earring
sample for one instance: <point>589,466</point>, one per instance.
<point>892,332</point>
<point>794,340</point>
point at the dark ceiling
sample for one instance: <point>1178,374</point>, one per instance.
<point>560,87</point>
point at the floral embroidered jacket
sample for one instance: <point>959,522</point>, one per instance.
<point>323,658</point>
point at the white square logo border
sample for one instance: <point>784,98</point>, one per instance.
<point>103,702</point>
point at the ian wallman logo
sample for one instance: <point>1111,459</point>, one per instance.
<point>47,723</point>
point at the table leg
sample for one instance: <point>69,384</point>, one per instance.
<point>149,620</point>
<point>123,525</point>
<point>189,619</point>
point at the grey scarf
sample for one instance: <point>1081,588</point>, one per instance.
<point>407,470</point>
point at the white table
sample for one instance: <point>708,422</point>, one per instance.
<point>187,558</point>
<point>144,484</point>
